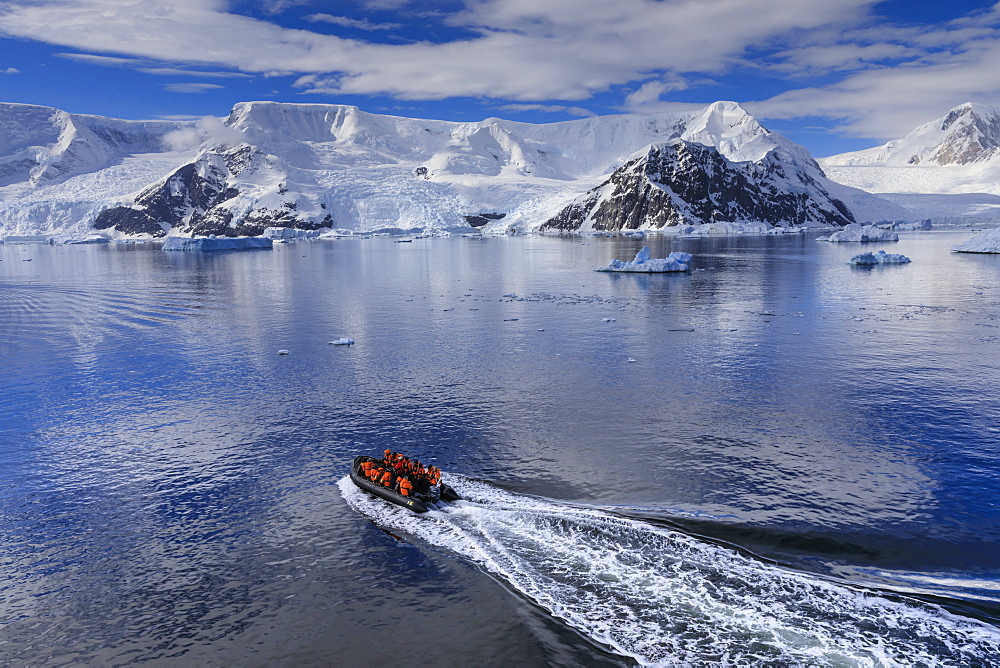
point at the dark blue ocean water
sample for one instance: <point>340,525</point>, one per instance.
<point>778,458</point>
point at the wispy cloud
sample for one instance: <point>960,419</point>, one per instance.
<point>147,66</point>
<point>175,72</point>
<point>347,22</point>
<point>191,87</point>
<point>10,70</point>
<point>94,59</point>
<point>549,109</point>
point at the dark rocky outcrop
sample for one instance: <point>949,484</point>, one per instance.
<point>483,219</point>
<point>194,198</point>
<point>686,183</point>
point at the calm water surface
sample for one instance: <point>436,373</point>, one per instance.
<point>777,458</point>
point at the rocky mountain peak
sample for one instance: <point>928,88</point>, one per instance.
<point>971,134</point>
<point>687,183</point>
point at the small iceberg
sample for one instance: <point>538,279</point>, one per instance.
<point>986,242</point>
<point>880,257</point>
<point>642,263</point>
<point>342,341</point>
<point>216,243</point>
<point>862,233</point>
<point>282,352</point>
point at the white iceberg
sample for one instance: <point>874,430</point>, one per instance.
<point>880,257</point>
<point>986,242</point>
<point>642,263</point>
<point>862,233</point>
<point>216,243</point>
<point>88,239</point>
<point>342,341</point>
<point>289,233</point>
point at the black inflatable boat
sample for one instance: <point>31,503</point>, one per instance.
<point>417,502</point>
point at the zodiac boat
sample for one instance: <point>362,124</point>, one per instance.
<point>418,503</point>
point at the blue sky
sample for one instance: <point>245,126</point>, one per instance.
<point>834,75</point>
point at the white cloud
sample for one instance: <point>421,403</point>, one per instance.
<point>10,70</point>
<point>146,65</point>
<point>176,71</point>
<point>207,130</point>
<point>191,87</point>
<point>549,109</point>
<point>884,100</point>
<point>648,94</point>
<point>360,24</point>
<point>524,51</point>
<point>886,78</point>
<point>94,59</point>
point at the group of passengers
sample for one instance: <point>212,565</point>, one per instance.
<point>401,474</point>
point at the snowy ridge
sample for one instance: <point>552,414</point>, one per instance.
<point>958,153</point>
<point>319,165</point>
<point>39,145</point>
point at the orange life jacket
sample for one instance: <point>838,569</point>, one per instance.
<point>386,479</point>
<point>405,487</point>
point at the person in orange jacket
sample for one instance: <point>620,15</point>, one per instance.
<point>387,479</point>
<point>405,486</point>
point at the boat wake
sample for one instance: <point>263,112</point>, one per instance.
<point>663,597</point>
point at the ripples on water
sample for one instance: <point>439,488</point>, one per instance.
<point>169,483</point>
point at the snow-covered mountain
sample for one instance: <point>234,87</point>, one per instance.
<point>316,165</point>
<point>686,183</point>
<point>958,153</point>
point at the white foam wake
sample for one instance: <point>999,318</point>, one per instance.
<point>665,598</point>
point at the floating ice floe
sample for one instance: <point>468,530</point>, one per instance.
<point>216,243</point>
<point>642,263</point>
<point>282,352</point>
<point>342,341</point>
<point>862,233</point>
<point>880,257</point>
<point>986,242</point>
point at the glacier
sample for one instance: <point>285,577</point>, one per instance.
<point>945,170</point>
<point>338,169</point>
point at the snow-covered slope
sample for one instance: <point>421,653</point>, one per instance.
<point>315,165</point>
<point>958,153</point>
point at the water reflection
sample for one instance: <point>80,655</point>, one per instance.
<point>168,484</point>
